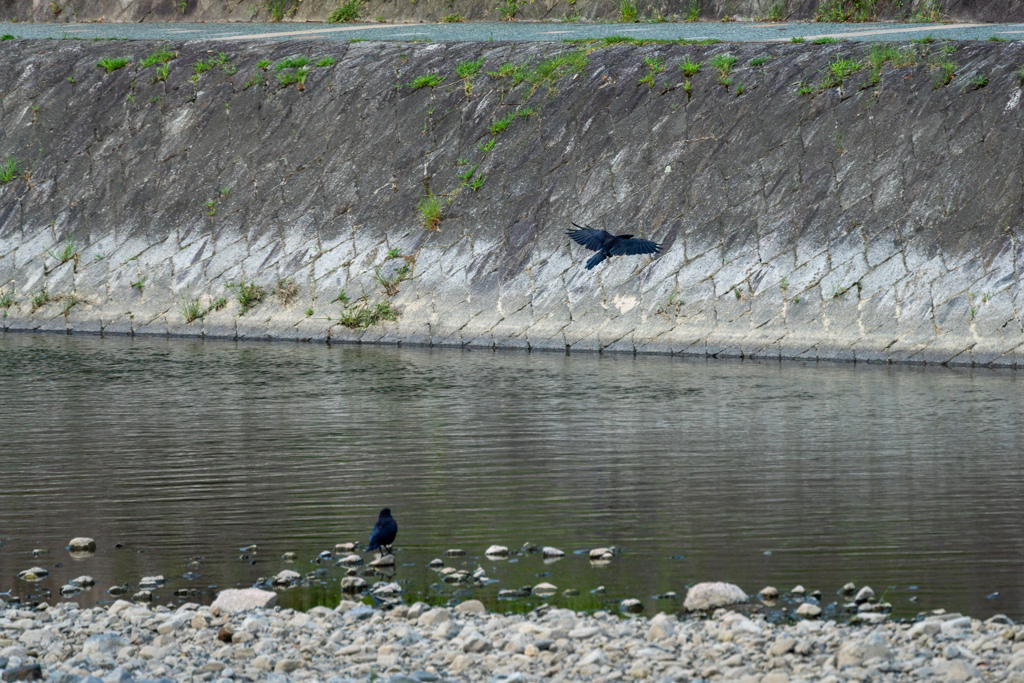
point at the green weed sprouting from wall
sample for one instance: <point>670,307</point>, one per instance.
<point>428,80</point>
<point>345,13</point>
<point>838,70</point>
<point>431,209</point>
<point>655,65</point>
<point>112,64</point>
<point>248,295</point>
<point>158,57</point>
<point>627,11</point>
<point>9,170</point>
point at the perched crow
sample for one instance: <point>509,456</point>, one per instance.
<point>607,245</point>
<point>384,532</point>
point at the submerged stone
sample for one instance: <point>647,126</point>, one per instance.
<point>286,577</point>
<point>33,574</point>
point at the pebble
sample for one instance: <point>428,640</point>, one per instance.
<point>384,561</point>
<point>808,610</point>
<point>631,605</point>
<point>549,551</point>
<point>386,589</point>
<point>353,584</point>
<point>545,589</point>
<point>82,544</point>
<point>286,577</point>
<point>497,551</point>
<point>864,595</point>
<point>124,642</point>
<point>769,593</point>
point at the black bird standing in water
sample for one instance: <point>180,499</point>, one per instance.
<point>384,532</point>
<point>607,245</point>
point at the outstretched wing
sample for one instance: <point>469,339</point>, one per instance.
<point>591,238</point>
<point>634,246</point>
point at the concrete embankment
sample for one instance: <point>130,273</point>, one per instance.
<point>812,204</point>
<point>410,644</point>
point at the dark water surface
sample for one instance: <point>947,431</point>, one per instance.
<point>904,478</point>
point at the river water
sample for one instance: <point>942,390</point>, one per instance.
<point>907,479</point>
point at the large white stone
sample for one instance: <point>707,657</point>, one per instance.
<point>711,594</point>
<point>242,599</point>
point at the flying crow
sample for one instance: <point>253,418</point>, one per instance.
<point>384,532</point>
<point>607,245</point>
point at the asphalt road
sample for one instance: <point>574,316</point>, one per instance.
<point>517,31</point>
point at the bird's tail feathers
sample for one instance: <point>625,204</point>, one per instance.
<point>595,259</point>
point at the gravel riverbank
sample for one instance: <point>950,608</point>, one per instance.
<point>134,642</point>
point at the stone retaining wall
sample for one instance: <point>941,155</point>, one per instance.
<point>879,219</point>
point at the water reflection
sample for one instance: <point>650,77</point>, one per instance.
<point>886,475</point>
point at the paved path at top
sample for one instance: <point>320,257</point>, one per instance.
<point>517,31</point>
